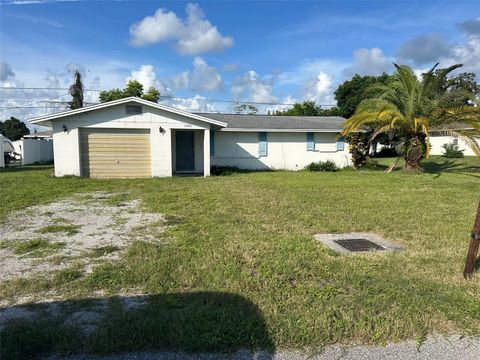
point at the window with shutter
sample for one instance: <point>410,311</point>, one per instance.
<point>262,144</point>
<point>341,144</point>
<point>310,141</point>
<point>212,143</point>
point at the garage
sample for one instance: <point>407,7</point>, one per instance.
<point>115,153</point>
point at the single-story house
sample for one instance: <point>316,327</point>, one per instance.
<point>132,137</point>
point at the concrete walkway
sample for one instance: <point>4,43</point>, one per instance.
<point>435,348</point>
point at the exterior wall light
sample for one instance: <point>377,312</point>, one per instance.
<point>162,130</point>
<point>64,127</point>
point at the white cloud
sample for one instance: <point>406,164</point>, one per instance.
<point>368,62</point>
<point>196,103</point>
<point>252,87</point>
<point>320,90</point>
<point>194,35</point>
<point>204,77</point>
<point>145,75</point>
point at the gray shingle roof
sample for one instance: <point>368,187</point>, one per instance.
<point>271,122</point>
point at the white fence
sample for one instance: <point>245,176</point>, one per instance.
<point>34,150</point>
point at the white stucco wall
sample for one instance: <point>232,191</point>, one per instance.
<point>286,150</point>
<point>437,141</point>
<point>34,150</point>
<point>67,147</point>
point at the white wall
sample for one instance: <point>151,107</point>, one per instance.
<point>66,144</point>
<point>436,143</point>
<point>2,156</point>
<point>34,150</point>
<point>286,150</point>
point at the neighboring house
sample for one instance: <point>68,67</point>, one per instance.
<point>438,139</point>
<point>137,138</point>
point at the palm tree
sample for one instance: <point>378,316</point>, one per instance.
<point>411,107</point>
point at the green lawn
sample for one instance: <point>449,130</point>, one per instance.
<point>241,267</point>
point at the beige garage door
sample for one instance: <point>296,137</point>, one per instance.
<point>115,153</point>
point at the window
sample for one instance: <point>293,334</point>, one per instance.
<point>262,144</point>
<point>212,143</point>
<point>310,141</point>
<point>133,109</point>
<point>455,141</point>
<point>340,144</point>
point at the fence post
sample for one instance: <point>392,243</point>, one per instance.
<point>2,155</point>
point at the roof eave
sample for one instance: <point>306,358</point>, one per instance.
<point>48,118</point>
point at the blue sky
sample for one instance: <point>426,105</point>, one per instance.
<point>271,51</point>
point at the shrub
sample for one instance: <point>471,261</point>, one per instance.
<point>223,170</point>
<point>328,165</point>
<point>358,147</point>
<point>452,151</point>
<point>386,152</point>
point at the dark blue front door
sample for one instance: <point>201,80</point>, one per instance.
<point>185,145</point>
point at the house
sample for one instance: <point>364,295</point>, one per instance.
<point>133,137</point>
<point>439,138</point>
<point>34,148</point>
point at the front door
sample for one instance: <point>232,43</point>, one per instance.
<point>185,145</point>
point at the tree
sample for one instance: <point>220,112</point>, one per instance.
<point>351,93</point>
<point>13,128</point>
<point>76,90</point>
<point>308,108</point>
<point>410,107</point>
<point>133,88</point>
<point>460,87</point>
<point>245,109</point>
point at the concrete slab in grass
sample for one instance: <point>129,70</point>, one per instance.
<point>377,243</point>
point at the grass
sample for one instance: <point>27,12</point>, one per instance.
<point>68,229</point>
<point>37,247</point>
<point>248,238</point>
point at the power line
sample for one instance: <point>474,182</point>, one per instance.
<point>177,97</point>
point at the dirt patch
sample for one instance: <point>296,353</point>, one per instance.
<point>83,229</point>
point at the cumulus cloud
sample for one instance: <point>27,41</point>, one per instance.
<point>252,87</point>
<point>424,49</point>
<point>321,89</point>
<point>144,75</point>
<point>196,103</point>
<point>194,35</point>
<point>471,27</point>
<point>204,77</point>
<point>368,62</point>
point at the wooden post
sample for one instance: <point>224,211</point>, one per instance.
<point>473,248</point>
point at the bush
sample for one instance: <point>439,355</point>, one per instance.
<point>223,170</point>
<point>452,151</point>
<point>387,152</point>
<point>328,165</point>
<point>358,147</point>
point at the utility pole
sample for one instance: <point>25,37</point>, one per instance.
<point>473,248</point>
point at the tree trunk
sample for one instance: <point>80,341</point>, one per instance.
<point>473,248</point>
<point>413,154</point>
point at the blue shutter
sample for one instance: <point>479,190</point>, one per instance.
<point>212,143</point>
<point>340,144</point>
<point>262,144</point>
<point>310,141</point>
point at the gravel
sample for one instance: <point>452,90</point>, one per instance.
<point>435,347</point>
<point>96,222</point>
